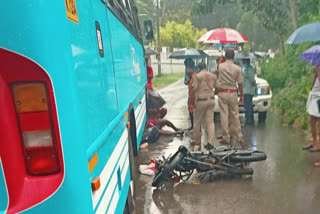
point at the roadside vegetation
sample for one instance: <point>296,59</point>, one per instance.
<point>166,79</point>
<point>290,80</point>
<point>175,35</point>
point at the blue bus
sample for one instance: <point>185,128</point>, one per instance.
<point>72,104</point>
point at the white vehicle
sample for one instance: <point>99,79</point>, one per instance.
<point>262,98</point>
<point>213,56</point>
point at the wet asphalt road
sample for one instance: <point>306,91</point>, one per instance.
<point>286,182</point>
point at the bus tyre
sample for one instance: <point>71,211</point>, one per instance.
<point>131,198</point>
<point>129,206</point>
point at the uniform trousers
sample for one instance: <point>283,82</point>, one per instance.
<point>203,111</point>
<point>229,116</point>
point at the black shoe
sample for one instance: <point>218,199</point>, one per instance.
<point>208,146</point>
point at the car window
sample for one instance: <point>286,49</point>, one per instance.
<point>212,61</point>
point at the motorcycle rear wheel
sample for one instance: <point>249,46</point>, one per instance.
<point>252,157</point>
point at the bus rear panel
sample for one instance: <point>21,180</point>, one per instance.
<point>72,97</point>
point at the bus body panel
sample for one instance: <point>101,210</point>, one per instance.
<point>4,202</point>
<point>45,40</point>
<point>91,92</point>
<point>128,64</point>
<point>94,74</point>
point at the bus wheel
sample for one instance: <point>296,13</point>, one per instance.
<point>131,198</point>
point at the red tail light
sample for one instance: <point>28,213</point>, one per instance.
<point>33,113</point>
<point>30,145</point>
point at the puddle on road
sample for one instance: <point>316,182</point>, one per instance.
<point>285,183</point>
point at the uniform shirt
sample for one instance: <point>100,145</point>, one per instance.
<point>249,83</point>
<point>229,74</point>
<point>204,83</point>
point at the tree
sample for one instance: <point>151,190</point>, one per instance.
<point>175,35</point>
<point>208,6</point>
<point>220,16</point>
<point>272,14</point>
<point>308,11</point>
<point>259,38</point>
<point>294,13</point>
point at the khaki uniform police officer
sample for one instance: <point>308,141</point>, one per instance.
<point>203,85</point>
<point>229,75</point>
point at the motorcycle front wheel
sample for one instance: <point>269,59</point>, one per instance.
<point>164,175</point>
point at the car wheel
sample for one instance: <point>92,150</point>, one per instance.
<point>262,117</point>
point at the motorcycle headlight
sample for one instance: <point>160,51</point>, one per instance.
<point>265,90</point>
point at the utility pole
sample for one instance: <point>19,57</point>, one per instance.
<point>158,40</point>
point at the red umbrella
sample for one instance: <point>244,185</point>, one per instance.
<point>223,36</point>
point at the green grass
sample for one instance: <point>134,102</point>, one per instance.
<point>166,79</point>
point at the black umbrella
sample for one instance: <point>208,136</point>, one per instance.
<point>149,51</point>
<point>188,53</point>
<point>154,100</point>
<point>306,33</point>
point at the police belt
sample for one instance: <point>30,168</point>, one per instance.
<point>221,90</point>
<point>205,99</point>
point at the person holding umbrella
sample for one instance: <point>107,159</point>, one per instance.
<point>312,56</point>
<point>310,33</point>
<point>190,67</point>
<point>313,109</point>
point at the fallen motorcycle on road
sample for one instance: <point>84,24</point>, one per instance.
<point>218,162</point>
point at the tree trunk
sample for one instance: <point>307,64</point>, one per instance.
<point>163,12</point>
<point>294,13</point>
<point>282,52</point>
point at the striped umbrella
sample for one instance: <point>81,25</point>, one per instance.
<point>223,36</point>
